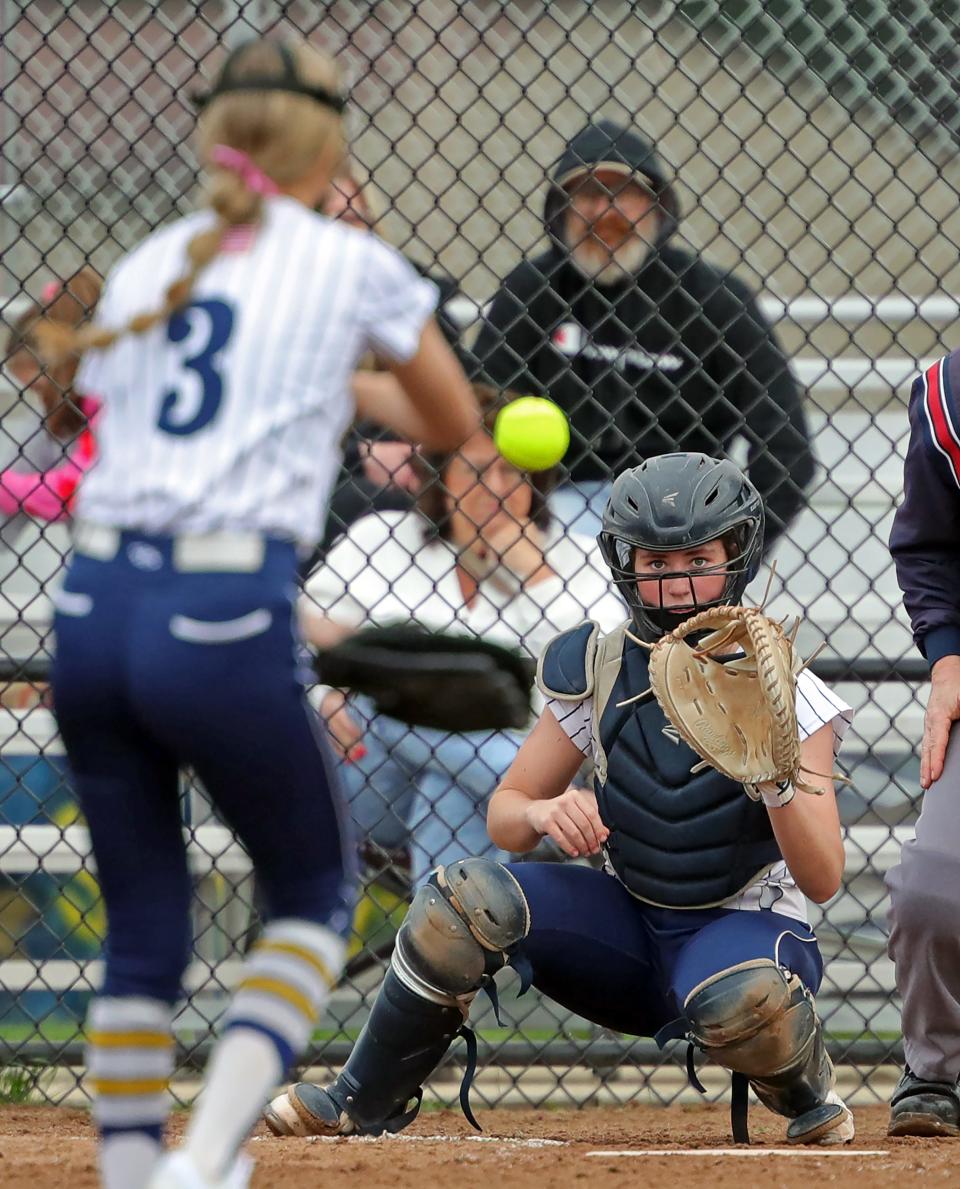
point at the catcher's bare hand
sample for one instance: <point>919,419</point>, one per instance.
<point>572,820</point>
<point>943,709</point>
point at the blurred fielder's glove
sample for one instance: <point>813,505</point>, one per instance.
<point>433,679</point>
<point>727,679</point>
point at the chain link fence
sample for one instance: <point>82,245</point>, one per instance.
<point>810,149</point>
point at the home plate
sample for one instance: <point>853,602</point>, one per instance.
<point>811,1151</point>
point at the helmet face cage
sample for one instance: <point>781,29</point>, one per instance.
<point>744,542</point>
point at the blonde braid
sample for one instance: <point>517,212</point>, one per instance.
<point>233,203</point>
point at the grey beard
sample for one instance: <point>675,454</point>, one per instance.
<point>605,267</point>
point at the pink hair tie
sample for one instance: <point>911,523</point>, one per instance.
<point>50,291</point>
<point>239,163</point>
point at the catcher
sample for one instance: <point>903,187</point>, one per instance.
<point>697,927</point>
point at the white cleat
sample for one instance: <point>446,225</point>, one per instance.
<point>829,1123</point>
<point>303,1109</point>
<point>845,1131</point>
<point>177,1171</point>
<point>283,1119</point>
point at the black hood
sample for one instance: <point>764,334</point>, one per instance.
<point>607,141</point>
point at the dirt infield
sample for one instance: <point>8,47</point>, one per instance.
<point>50,1147</point>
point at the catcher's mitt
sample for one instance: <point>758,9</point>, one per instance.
<point>433,679</point>
<point>731,695</point>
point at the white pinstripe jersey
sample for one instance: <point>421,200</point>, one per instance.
<point>230,415</point>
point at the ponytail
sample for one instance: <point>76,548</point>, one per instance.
<point>233,203</point>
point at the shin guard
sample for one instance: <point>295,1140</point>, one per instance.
<point>458,932</point>
<point>759,1020</point>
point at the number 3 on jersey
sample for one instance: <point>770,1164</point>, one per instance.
<point>181,412</point>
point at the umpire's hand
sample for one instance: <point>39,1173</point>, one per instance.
<point>943,709</point>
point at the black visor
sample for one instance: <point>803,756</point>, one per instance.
<point>289,81</point>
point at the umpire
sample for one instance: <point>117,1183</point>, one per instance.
<point>925,886</point>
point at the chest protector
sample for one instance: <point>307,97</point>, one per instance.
<point>676,840</point>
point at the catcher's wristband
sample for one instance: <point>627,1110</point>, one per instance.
<point>773,793</point>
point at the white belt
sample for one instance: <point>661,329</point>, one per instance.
<point>227,552</point>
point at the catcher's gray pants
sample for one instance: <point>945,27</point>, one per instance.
<point>925,928</point>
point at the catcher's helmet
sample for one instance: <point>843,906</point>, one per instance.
<point>676,501</point>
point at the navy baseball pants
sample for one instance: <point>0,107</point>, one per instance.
<point>158,669</point>
<point>628,966</point>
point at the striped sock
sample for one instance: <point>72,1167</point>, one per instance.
<point>286,981</point>
<point>129,1063</point>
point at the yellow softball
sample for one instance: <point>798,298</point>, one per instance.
<point>532,433</point>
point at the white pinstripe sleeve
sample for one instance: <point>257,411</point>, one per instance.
<point>576,719</point>
<point>818,704</point>
<point>396,302</point>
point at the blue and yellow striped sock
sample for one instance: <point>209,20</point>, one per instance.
<point>286,981</point>
<point>129,1062</point>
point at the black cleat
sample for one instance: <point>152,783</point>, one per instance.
<point>921,1107</point>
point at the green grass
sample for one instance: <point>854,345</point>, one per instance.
<point>53,1031</point>
<point>62,1032</point>
<point>16,1085</point>
<point>885,1035</point>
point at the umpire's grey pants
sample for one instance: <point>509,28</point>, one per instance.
<point>925,928</point>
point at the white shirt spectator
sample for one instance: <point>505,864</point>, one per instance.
<point>387,569</point>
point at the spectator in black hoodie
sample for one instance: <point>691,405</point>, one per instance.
<point>646,347</point>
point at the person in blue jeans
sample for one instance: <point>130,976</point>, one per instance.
<point>424,789</point>
<point>697,925</point>
<point>480,555</point>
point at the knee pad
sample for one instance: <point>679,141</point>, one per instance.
<point>461,928</point>
<point>759,1020</point>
